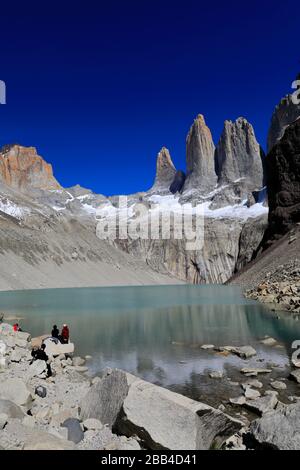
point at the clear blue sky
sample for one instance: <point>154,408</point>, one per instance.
<point>99,87</point>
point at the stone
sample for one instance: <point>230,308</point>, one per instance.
<point>3,420</point>
<point>53,349</point>
<point>216,374</point>
<point>165,172</point>
<point>40,391</point>
<point>92,424</point>
<point>62,415</point>
<point>252,383</point>
<point>278,385</point>
<point>221,407</point>
<point>262,405</point>
<point>10,409</point>
<point>251,394</point>
<point>22,335</point>
<point>239,156</point>
<point>238,401</point>
<point>21,343</point>
<point>269,341</point>
<point>78,361</point>
<point>75,432</point>
<point>29,421</point>
<point>37,369</point>
<point>200,161</point>
<point>15,390</point>
<point>255,371</point>
<point>105,398</point>
<point>277,429</point>
<point>244,352</point>
<point>207,346</point>
<point>162,419</point>
<point>17,354</point>
<point>295,375</point>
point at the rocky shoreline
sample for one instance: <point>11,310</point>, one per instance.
<point>119,411</point>
<point>280,289</point>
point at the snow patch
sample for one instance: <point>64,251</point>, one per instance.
<point>10,208</point>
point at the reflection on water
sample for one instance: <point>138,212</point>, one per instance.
<point>155,332</point>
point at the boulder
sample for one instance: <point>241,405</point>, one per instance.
<point>251,394</point>
<point>78,361</point>
<point>92,424</point>
<point>295,375</point>
<point>16,391</point>
<point>18,354</point>
<point>166,420</point>
<point>40,391</point>
<point>278,429</point>
<point>269,341</point>
<point>262,405</point>
<point>10,409</point>
<point>255,371</point>
<point>238,401</point>
<point>244,352</point>
<point>75,432</point>
<point>105,398</point>
<point>278,385</point>
<point>37,369</point>
<point>216,374</point>
<point>53,349</point>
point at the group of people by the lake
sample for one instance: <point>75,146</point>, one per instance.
<point>64,336</point>
<point>40,353</point>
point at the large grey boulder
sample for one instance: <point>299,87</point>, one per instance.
<point>239,156</point>
<point>37,369</point>
<point>34,438</point>
<point>200,161</point>
<point>165,172</point>
<point>278,429</point>
<point>15,390</point>
<point>104,400</point>
<point>11,409</point>
<point>166,420</point>
<point>263,404</point>
<point>18,354</point>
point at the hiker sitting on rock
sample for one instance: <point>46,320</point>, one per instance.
<point>16,327</point>
<point>65,334</point>
<point>42,356</point>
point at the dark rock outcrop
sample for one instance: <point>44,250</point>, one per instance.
<point>239,156</point>
<point>178,182</point>
<point>200,163</point>
<point>283,178</point>
<point>285,113</point>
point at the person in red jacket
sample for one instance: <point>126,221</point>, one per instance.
<point>65,334</point>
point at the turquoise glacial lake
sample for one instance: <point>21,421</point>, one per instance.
<point>156,332</point>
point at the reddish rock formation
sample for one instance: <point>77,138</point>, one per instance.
<point>23,169</point>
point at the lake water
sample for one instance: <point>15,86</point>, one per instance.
<point>156,332</point>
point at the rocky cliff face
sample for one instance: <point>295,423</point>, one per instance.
<point>239,156</point>
<point>200,149</point>
<point>283,177</point>
<point>23,169</point>
<point>165,172</point>
<point>285,113</point>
